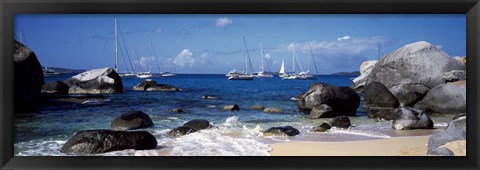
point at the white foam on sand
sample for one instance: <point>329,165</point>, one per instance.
<point>358,132</point>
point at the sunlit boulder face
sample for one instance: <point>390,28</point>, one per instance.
<point>410,71</point>
<point>449,98</point>
<point>27,80</point>
<point>365,68</point>
<point>96,81</point>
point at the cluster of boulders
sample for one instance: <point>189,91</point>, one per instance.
<point>120,138</point>
<point>342,122</point>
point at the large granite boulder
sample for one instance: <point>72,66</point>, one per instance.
<point>365,68</point>
<point>410,118</point>
<point>27,78</point>
<point>409,94</point>
<point>151,85</point>
<point>96,81</point>
<point>419,64</point>
<point>281,131</point>
<point>343,100</point>
<point>379,101</point>
<point>449,98</point>
<point>55,87</point>
<point>455,75</point>
<point>456,130</point>
<point>132,120</point>
<point>101,141</point>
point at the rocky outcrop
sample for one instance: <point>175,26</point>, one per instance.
<point>27,78</point>
<point>454,75</point>
<point>321,111</point>
<point>455,131</point>
<point>365,68</point>
<point>178,110</point>
<point>55,87</point>
<point>407,118</point>
<point>101,141</point>
<point>151,85</point>
<point>343,100</point>
<point>340,122</point>
<point>272,110</point>
<point>132,120</point>
<point>281,131</point>
<point>380,102</point>
<point>231,107</point>
<point>257,107</point>
<point>449,98</point>
<point>96,81</point>
<point>416,67</point>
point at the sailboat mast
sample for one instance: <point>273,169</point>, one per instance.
<point>244,57</point>
<point>116,46</point>
<point>293,60</point>
<point>313,58</point>
<point>261,52</point>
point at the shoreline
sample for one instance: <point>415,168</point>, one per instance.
<point>395,146</point>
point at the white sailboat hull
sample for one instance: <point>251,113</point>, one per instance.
<point>241,77</point>
<point>168,75</point>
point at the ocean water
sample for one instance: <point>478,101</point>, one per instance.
<point>236,133</point>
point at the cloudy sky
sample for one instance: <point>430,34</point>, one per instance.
<point>213,43</point>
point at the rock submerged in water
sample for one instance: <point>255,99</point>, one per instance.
<point>366,67</point>
<point>151,85</point>
<point>256,107</point>
<point>343,100</point>
<point>101,141</point>
<point>456,130</point>
<point>27,78</point>
<point>418,64</point>
<point>177,110</point>
<point>449,98</point>
<point>272,110</point>
<point>407,118</point>
<point>55,87</point>
<point>96,81</point>
<point>190,127</point>
<point>180,131</point>
<point>322,128</point>
<point>231,107</point>
<point>281,131</point>
<point>341,122</point>
<point>132,120</point>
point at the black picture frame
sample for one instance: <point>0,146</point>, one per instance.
<point>9,8</point>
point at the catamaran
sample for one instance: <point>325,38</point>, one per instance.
<point>170,74</point>
<point>303,75</point>
<point>262,73</point>
<point>244,75</point>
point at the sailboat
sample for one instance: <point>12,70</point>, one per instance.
<point>282,72</point>
<point>262,73</point>
<point>293,74</point>
<point>127,74</point>
<point>170,74</point>
<point>144,75</point>
<point>244,75</point>
<point>307,74</point>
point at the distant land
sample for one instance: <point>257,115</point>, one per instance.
<point>59,70</point>
<point>353,73</point>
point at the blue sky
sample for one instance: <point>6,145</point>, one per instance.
<point>213,43</point>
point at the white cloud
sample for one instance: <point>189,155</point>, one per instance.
<point>344,38</point>
<point>439,46</point>
<point>145,63</point>
<point>268,56</point>
<point>221,22</point>
<point>184,59</point>
<point>158,29</point>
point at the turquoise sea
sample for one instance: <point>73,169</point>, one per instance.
<point>236,132</point>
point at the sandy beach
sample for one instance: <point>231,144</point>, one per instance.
<point>397,146</point>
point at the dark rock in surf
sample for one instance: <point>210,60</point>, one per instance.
<point>180,131</point>
<point>272,110</point>
<point>341,122</point>
<point>256,107</point>
<point>178,110</point>
<point>55,87</point>
<point>151,85</point>
<point>231,107</point>
<point>198,124</point>
<point>101,141</point>
<point>322,128</point>
<point>132,120</point>
<point>27,78</point>
<point>96,81</point>
<point>343,100</point>
<point>410,118</point>
<point>281,131</point>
